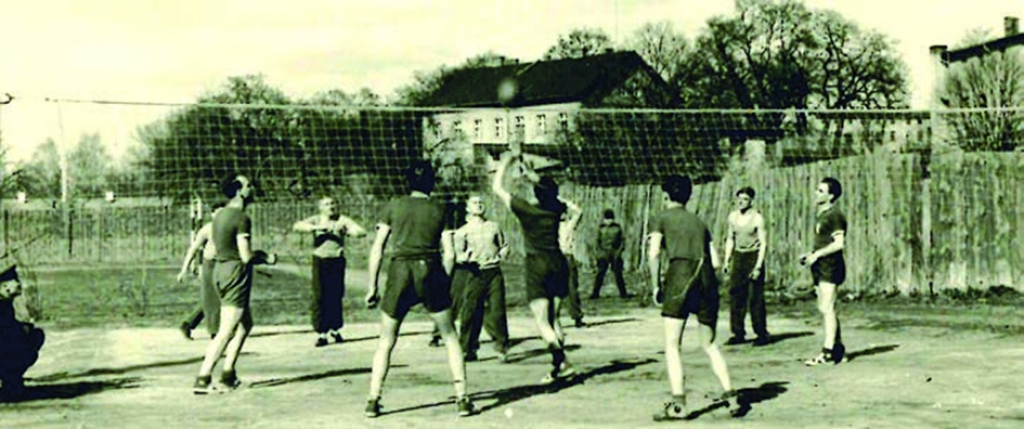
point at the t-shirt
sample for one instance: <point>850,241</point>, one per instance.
<point>228,224</point>
<point>685,235</point>
<point>483,241</point>
<point>540,226</point>
<point>745,231</point>
<point>416,226</point>
<point>828,223</point>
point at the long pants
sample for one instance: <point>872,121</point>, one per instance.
<point>326,308</point>
<point>209,305</point>
<point>483,304</point>
<point>603,263</point>
<point>745,292</point>
<point>575,307</point>
<point>19,349</point>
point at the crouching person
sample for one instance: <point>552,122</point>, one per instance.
<point>19,342</point>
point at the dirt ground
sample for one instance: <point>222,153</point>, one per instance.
<point>897,377</point>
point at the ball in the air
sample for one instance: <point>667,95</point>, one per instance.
<point>507,90</point>
<point>508,413</point>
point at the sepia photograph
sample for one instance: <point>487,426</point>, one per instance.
<point>511,214</point>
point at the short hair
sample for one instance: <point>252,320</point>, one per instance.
<point>546,191</point>
<point>609,214</point>
<point>678,188</point>
<point>834,187</point>
<point>230,185</point>
<point>746,190</point>
<point>420,176</point>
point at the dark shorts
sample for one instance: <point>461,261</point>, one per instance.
<point>233,280</point>
<point>416,281</point>
<point>687,292</point>
<point>547,275</point>
<point>831,269</point>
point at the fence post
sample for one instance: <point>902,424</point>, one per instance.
<point>7,229</point>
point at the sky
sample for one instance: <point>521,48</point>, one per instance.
<point>174,51</point>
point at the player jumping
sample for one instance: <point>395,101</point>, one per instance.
<point>547,271</point>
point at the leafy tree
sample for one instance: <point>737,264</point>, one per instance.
<point>89,167</point>
<point>661,47</point>
<point>996,81</point>
<point>579,43</point>
<point>43,171</point>
<point>778,54</point>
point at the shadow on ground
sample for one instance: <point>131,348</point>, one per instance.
<point>510,395</point>
<point>66,390</point>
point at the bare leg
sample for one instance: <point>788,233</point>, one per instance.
<point>382,358</point>
<point>230,316</point>
<point>827,307</point>
<point>707,341</point>
<point>673,358</point>
<point>444,323</point>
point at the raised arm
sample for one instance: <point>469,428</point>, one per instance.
<point>352,228</point>
<point>498,184</point>
<point>573,214</point>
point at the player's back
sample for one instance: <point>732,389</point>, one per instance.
<point>686,236</point>
<point>228,223</point>
<point>416,226</point>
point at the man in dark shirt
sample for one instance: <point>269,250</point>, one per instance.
<point>828,268</point>
<point>547,270</point>
<point>232,276</point>
<point>690,288</point>
<point>609,254</point>
<point>422,257</point>
<point>19,342</point>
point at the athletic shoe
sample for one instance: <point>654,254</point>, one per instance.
<point>762,341</point>
<point>735,341</point>
<point>838,354</point>
<point>731,398</point>
<point>466,407</point>
<point>321,341</point>
<point>564,371</point>
<point>434,342</point>
<point>580,323</point>
<point>186,331</point>
<point>671,410</point>
<point>202,386</point>
<point>818,360</point>
<point>372,408</point>
<point>337,338</point>
<point>471,357</point>
<point>229,381</point>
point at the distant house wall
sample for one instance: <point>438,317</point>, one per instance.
<point>531,125</point>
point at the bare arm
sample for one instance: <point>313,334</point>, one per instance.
<point>573,214</point>
<point>376,256</point>
<point>762,240</point>
<point>838,240</point>
<point>352,228</point>
<point>310,224</point>
<point>498,184</point>
<point>730,242</point>
<point>448,251</point>
<point>461,246</point>
<point>654,262</point>
<point>503,247</point>
<point>200,240</point>
<point>244,247</point>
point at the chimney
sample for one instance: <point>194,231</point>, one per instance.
<point>1011,26</point>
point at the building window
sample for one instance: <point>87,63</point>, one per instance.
<point>499,128</point>
<point>457,129</point>
<point>520,127</point>
<point>563,121</point>
<point>542,125</point>
<point>478,129</point>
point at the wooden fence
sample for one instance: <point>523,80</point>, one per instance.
<point>952,222</point>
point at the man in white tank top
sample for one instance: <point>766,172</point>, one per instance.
<point>744,262</point>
